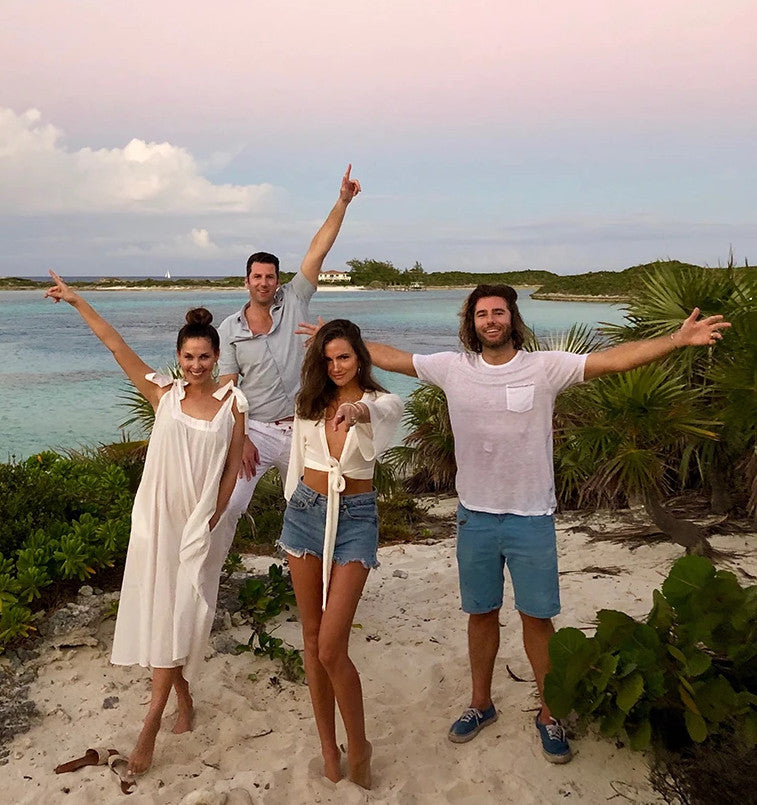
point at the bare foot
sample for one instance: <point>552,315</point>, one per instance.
<point>184,720</point>
<point>332,765</point>
<point>360,767</point>
<point>140,759</point>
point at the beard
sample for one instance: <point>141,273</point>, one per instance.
<point>495,339</point>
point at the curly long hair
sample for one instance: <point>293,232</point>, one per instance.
<point>467,332</point>
<point>318,390</point>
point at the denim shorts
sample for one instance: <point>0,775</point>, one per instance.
<point>356,533</point>
<point>527,545</point>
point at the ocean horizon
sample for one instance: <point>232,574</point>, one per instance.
<point>61,389</point>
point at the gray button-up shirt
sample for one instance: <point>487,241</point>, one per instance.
<point>268,364</point>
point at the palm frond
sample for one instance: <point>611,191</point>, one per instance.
<point>579,339</point>
<point>427,456</point>
<point>141,411</point>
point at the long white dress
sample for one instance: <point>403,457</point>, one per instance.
<point>174,561</point>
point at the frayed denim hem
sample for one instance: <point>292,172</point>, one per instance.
<point>367,565</point>
<point>298,553</point>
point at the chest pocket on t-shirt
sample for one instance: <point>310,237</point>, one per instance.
<point>520,398</point>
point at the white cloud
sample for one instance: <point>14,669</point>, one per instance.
<point>195,245</point>
<point>39,175</point>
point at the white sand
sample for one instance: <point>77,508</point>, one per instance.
<point>409,643</point>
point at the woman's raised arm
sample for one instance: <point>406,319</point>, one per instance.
<point>134,367</point>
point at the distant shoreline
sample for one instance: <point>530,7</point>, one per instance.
<point>604,286</point>
<point>166,288</point>
<point>163,287</point>
<point>570,297</point>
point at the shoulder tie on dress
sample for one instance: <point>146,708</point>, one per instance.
<point>238,395</point>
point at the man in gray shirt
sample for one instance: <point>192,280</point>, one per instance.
<point>260,351</point>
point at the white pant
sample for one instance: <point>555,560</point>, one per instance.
<point>274,443</point>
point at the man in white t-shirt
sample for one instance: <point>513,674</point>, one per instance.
<point>500,402</point>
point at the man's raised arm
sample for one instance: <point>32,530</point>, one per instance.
<point>327,234</point>
<point>693,332</point>
<point>391,359</point>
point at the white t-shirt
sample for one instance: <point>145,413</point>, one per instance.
<point>502,423</point>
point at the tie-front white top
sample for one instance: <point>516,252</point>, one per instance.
<point>365,441</point>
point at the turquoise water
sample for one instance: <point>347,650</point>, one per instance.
<point>59,387</point>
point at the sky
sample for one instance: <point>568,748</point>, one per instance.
<point>567,135</point>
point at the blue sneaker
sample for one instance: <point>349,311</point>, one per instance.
<point>470,723</point>
<point>554,744</point>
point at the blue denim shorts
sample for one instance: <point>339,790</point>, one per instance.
<point>356,533</point>
<point>526,545</point>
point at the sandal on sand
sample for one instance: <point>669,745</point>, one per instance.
<point>119,765</point>
<point>97,756</point>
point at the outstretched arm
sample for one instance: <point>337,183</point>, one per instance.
<point>693,332</point>
<point>391,358</point>
<point>327,234</point>
<point>127,359</point>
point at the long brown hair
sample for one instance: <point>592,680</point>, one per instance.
<point>467,332</point>
<point>318,390</point>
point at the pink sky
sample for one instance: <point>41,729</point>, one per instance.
<point>427,63</point>
<point>547,104</point>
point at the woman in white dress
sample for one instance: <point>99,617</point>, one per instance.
<point>175,552</point>
<point>343,420</point>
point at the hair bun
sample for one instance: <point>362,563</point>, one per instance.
<point>199,315</point>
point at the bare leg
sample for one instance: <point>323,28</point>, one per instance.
<point>306,580</point>
<point>483,644</point>
<point>536,635</point>
<point>162,682</point>
<point>186,706</point>
<point>347,582</point>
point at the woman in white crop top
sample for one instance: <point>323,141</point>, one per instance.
<point>344,420</point>
<point>175,553</point>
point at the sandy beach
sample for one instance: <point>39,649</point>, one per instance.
<point>254,733</point>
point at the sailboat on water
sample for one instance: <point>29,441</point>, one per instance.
<point>167,275</point>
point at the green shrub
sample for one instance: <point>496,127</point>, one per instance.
<point>62,518</point>
<point>263,599</point>
<point>400,516</point>
<point>685,673</point>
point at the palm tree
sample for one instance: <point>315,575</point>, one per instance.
<point>726,376</point>
<point>427,456</point>
<point>630,437</point>
<point>735,383</point>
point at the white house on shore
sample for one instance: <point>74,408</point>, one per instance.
<point>327,277</point>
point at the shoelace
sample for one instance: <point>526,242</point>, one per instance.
<point>555,730</point>
<point>470,714</point>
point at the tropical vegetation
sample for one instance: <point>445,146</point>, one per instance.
<point>62,519</point>
<point>382,273</point>
<point>684,676</point>
<point>689,666</point>
<point>620,285</point>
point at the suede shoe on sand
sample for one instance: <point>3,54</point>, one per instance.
<point>470,723</point>
<point>554,744</point>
